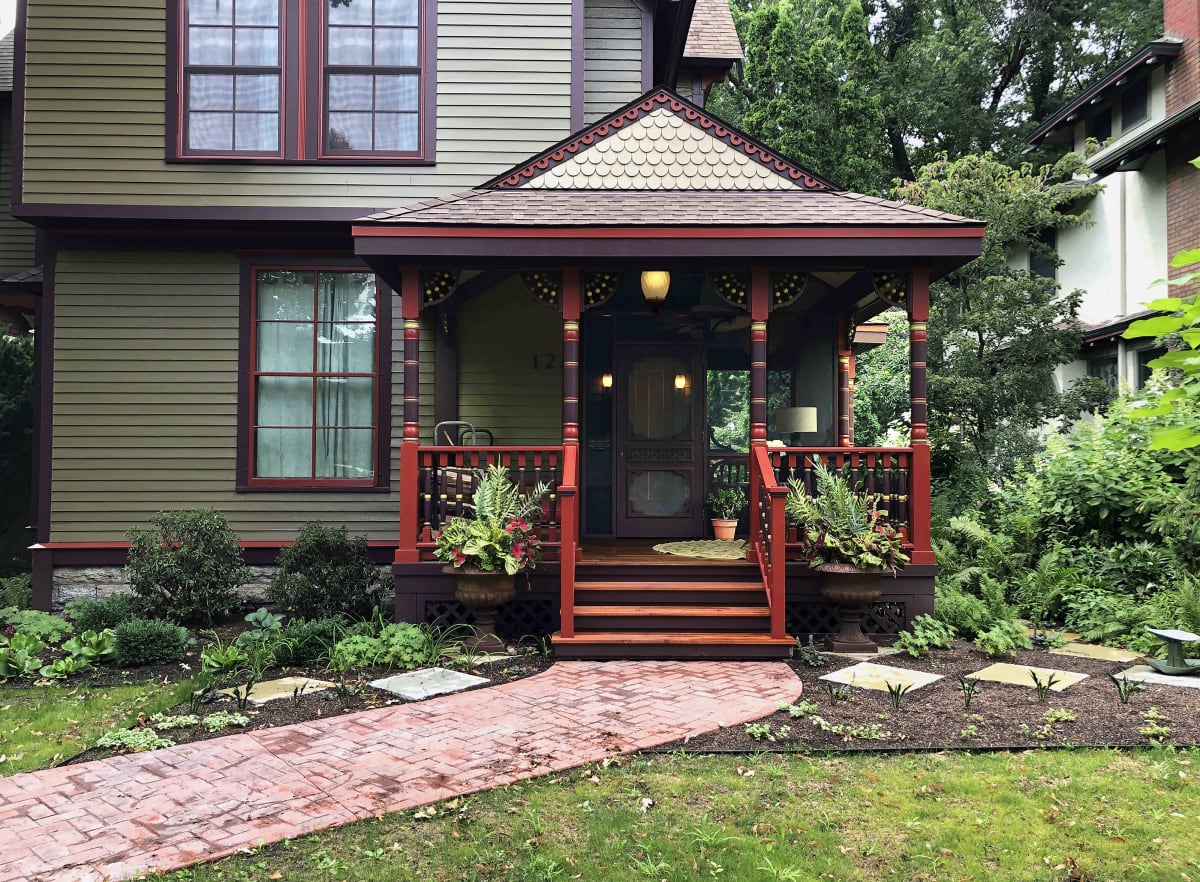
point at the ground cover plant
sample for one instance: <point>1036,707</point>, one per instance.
<point>1035,816</point>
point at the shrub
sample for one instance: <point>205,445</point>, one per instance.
<point>149,642</point>
<point>136,740</point>
<point>189,569</point>
<point>17,591</point>
<point>926,633</point>
<point>326,573</point>
<point>307,642</point>
<point>1003,638</point>
<point>39,624</point>
<point>398,645</point>
<point>99,615</point>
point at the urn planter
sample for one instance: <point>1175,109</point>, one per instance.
<point>483,593</point>
<point>851,589</point>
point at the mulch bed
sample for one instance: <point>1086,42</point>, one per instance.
<point>1001,716</point>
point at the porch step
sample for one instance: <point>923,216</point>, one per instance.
<point>671,645</point>
<point>670,617</point>
<point>740,592</point>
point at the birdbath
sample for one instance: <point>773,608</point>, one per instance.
<point>1175,663</point>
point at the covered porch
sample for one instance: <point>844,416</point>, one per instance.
<point>549,358</point>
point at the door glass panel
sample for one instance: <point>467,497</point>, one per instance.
<point>658,410</point>
<point>659,494</point>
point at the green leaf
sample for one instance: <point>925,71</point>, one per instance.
<point>1175,439</point>
<point>1191,337</point>
<point>1154,327</point>
<point>1185,360</point>
<point>1185,258</point>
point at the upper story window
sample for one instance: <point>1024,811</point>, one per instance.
<point>1100,126</point>
<point>303,80</point>
<point>1135,104</point>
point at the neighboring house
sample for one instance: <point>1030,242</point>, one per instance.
<point>288,239</point>
<point>1145,114</point>
<point>20,281</point>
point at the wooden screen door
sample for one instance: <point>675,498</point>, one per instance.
<point>659,440</point>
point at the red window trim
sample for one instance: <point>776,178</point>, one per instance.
<point>302,92</point>
<point>248,375</point>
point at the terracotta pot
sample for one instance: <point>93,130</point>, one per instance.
<point>724,530</point>
<point>850,588</point>
<point>482,593</point>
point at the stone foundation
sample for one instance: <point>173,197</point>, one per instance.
<point>94,583</point>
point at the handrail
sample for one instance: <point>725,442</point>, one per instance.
<point>769,535</point>
<point>569,497</point>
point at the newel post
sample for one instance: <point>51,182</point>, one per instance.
<point>410,310</point>
<point>760,308</point>
<point>845,367</point>
<point>572,301</point>
<point>919,486</point>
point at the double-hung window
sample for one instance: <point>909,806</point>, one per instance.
<point>303,80</point>
<point>314,397</point>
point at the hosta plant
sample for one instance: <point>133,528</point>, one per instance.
<point>61,668</point>
<point>19,655</point>
<point>499,534</point>
<point>844,525</point>
<point>92,646</point>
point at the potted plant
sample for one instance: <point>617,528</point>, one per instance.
<point>726,504</point>
<point>488,547</point>
<point>847,538</point>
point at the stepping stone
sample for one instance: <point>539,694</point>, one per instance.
<point>1147,674</point>
<point>285,687</point>
<point>1103,653</point>
<point>880,652</point>
<point>1022,675</point>
<point>867,675</point>
<point>427,683</point>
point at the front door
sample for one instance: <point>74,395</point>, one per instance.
<point>659,440</point>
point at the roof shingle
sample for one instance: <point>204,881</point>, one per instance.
<point>712,34</point>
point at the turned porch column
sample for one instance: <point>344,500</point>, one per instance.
<point>410,310</point>
<point>919,481</point>
<point>572,301</point>
<point>845,384</point>
<point>760,308</point>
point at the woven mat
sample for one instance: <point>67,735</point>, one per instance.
<point>710,549</point>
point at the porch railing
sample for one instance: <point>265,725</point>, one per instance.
<point>768,534</point>
<point>447,476</point>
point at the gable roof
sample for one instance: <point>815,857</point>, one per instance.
<point>712,34</point>
<point>660,141</point>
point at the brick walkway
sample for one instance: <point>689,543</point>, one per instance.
<point>169,808</point>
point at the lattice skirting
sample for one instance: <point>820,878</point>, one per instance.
<point>819,617</point>
<point>530,616</point>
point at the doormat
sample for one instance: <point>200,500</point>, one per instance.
<point>710,549</point>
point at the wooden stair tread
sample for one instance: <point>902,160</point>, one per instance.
<point>675,638</point>
<point>667,610</point>
<point>747,585</point>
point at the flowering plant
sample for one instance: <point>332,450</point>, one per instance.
<point>500,533</point>
<point>841,525</point>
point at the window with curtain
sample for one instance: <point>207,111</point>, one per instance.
<point>314,377</point>
<point>302,79</point>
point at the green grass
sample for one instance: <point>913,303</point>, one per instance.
<point>43,725</point>
<point>1050,816</point>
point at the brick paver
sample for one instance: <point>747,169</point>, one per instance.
<point>114,818</point>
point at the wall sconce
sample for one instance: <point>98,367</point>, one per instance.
<point>606,381</point>
<point>795,420</point>
<point>655,284</point>
<point>680,382</point>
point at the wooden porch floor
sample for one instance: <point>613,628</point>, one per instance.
<point>603,551</point>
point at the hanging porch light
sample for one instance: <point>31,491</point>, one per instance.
<point>655,284</point>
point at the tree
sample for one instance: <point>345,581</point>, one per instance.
<point>997,332</point>
<point>945,77</point>
<point>881,387</point>
<point>16,449</point>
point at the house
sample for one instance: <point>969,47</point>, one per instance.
<point>1145,116</point>
<point>316,262</point>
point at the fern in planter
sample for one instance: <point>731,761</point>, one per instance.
<point>842,525</point>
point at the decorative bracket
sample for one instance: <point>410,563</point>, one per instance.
<point>437,286</point>
<point>891,288</point>
<point>733,288</point>
<point>546,287</point>
<point>787,288</point>
<point>599,288</point>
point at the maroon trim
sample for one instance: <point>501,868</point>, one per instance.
<point>301,101</point>
<point>212,214</point>
<point>43,397</point>
<point>578,64</point>
<point>116,554</point>
<point>402,230</point>
<point>660,98</point>
<point>245,483</point>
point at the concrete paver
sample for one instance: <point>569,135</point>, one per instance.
<point>867,675</point>
<point>1147,674</point>
<point>1022,675</point>
<point>196,802</point>
<point>418,685</point>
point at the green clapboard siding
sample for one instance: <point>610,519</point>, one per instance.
<point>95,110</point>
<point>499,336</point>
<point>613,50</point>
<point>145,403</point>
<point>16,237</point>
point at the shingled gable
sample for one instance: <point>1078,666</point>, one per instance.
<point>660,142</point>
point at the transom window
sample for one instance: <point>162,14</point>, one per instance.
<point>303,79</point>
<point>314,377</point>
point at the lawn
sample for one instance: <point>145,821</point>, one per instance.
<point>43,725</point>
<point>1040,815</point>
